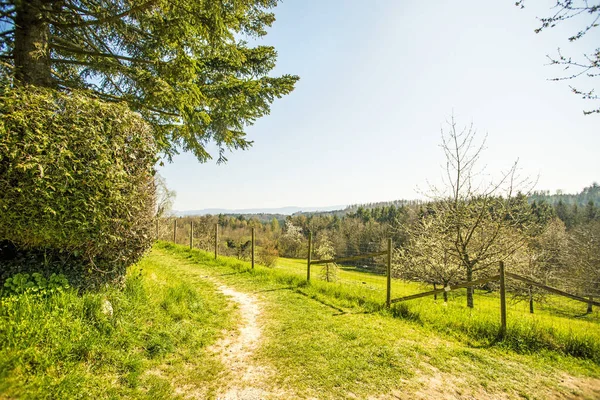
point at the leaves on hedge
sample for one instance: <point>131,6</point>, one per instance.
<point>75,179</point>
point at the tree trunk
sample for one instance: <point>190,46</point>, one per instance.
<point>445,296</point>
<point>589,306</point>
<point>435,294</point>
<point>32,51</point>
<point>470,290</point>
<point>530,299</point>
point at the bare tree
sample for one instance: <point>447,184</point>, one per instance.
<point>583,260</point>
<point>540,260</point>
<point>473,221</point>
<point>587,65</point>
<point>426,257</point>
<point>164,196</point>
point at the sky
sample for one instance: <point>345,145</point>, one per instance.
<point>378,80</point>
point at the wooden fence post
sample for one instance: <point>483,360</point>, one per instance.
<point>252,247</point>
<point>216,240</point>
<point>502,301</point>
<point>530,299</point>
<point>175,230</point>
<point>191,234</point>
<point>388,297</point>
<point>309,256</point>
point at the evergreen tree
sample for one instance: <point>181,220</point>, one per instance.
<point>591,212</point>
<point>183,65</point>
<point>275,228</point>
<point>575,215</point>
<point>563,213</point>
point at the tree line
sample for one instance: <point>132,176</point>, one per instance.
<point>547,244</point>
<point>468,225</point>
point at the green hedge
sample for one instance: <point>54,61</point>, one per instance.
<point>76,185</point>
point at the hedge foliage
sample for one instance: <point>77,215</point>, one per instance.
<point>76,185</point>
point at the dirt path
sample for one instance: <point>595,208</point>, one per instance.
<point>246,377</point>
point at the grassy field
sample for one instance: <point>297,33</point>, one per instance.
<point>323,340</point>
<point>558,323</point>
<point>64,347</point>
<point>350,275</point>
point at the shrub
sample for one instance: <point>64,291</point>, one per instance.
<point>268,255</point>
<point>76,187</point>
<point>35,283</point>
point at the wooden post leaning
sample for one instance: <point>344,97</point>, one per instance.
<point>309,256</point>
<point>502,300</point>
<point>388,297</point>
<point>252,247</point>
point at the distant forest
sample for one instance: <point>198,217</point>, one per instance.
<point>587,195</point>
<point>364,228</point>
<point>572,209</point>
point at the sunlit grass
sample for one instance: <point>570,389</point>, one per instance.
<point>353,276</point>
<point>324,339</point>
<point>556,325</point>
<point>64,346</point>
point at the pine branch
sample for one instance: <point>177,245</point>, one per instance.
<point>112,18</point>
<point>75,50</point>
<point>135,103</point>
<point>86,41</point>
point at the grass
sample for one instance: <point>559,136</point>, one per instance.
<point>558,323</point>
<point>64,346</point>
<point>324,339</point>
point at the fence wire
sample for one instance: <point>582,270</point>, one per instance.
<point>528,310</point>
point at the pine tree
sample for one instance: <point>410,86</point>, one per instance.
<point>183,65</point>
<point>591,212</point>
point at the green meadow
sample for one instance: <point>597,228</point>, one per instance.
<point>324,340</point>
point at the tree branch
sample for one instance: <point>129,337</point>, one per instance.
<point>75,50</point>
<point>116,17</point>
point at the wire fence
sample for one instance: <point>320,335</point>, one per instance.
<point>368,277</point>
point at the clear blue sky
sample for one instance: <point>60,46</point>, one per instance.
<point>378,80</point>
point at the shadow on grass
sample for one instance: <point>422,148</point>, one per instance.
<point>475,334</point>
<point>232,273</point>
<point>485,344</point>
<point>354,313</point>
<point>585,314</point>
<point>278,289</point>
<point>313,297</point>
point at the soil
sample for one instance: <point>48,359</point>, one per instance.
<point>245,377</point>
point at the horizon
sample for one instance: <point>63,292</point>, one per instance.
<point>376,85</point>
<point>339,207</point>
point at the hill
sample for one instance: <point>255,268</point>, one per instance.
<point>583,198</point>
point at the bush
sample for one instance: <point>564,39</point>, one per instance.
<point>76,185</point>
<point>268,255</point>
<point>35,283</point>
